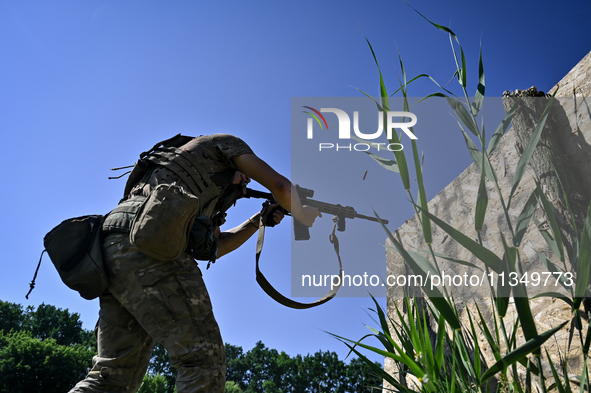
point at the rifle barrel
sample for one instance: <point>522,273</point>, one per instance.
<point>324,207</point>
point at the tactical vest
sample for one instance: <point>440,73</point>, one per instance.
<point>213,202</point>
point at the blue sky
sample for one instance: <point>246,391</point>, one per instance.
<point>87,85</point>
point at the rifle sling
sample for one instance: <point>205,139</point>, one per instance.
<point>278,297</point>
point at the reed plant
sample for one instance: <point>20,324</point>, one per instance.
<point>444,355</point>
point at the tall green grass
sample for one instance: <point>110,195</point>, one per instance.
<point>448,358</point>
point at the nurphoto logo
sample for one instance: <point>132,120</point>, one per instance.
<point>344,127</point>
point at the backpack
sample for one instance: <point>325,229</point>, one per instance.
<point>75,248</point>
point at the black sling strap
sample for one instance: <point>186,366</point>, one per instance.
<point>278,297</point>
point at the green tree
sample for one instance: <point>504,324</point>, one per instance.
<point>28,364</point>
<point>264,370</point>
<point>45,322</point>
<point>42,350</point>
<point>361,378</point>
<point>160,365</point>
<point>154,383</point>
<point>233,387</point>
<point>12,316</point>
<point>236,367</point>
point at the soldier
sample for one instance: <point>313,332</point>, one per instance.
<point>149,300</point>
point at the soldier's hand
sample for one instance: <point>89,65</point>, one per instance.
<point>240,177</point>
<point>277,212</point>
<point>307,215</point>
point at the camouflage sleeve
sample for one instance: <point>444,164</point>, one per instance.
<point>230,146</point>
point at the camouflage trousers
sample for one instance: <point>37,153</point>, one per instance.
<point>152,301</point>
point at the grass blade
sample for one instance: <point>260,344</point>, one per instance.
<point>502,128</point>
<point>485,255</point>
<point>556,295</point>
<point>557,382</point>
<point>487,334</point>
<point>477,360</point>
<point>463,115</point>
<point>548,237</point>
<point>481,201</point>
<point>439,341</point>
<point>479,95</point>
<point>463,71</point>
<point>584,261</point>
<point>426,223</point>
<point>525,218</point>
<point>435,296</point>
<point>379,371</point>
<point>528,325</point>
<point>520,352</point>
<point>388,164</point>
<point>529,149</point>
<point>385,107</point>
<point>554,227</point>
<point>553,269</point>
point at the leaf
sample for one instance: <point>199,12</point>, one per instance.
<point>463,115</point>
<point>557,381</point>
<point>475,153</point>
<point>520,352</point>
<point>390,165</point>
<point>503,288</point>
<point>439,341</point>
<point>477,361</point>
<point>525,218</point>
<point>584,262</point>
<point>424,263</point>
<point>400,159</point>
<point>463,352</point>
<point>456,260</point>
<point>487,334</point>
<point>426,223</point>
<point>529,149</point>
<point>385,107</point>
<point>378,370</point>
<point>548,237</point>
<point>556,295</point>
<point>440,303</point>
<point>502,128</point>
<point>528,325</point>
<point>553,269</point>
<point>464,73</point>
<point>554,227</point>
<point>485,255</point>
<point>479,95</point>
<point>481,201</point>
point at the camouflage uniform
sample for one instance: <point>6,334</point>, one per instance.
<point>150,301</point>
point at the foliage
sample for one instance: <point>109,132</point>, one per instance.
<point>42,351</point>
<point>46,350</point>
<point>447,358</point>
<point>266,370</point>
<point>160,366</point>
<point>46,322</point>
<point>155,383</point>
<point>232,387</point>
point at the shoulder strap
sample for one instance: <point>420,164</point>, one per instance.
<point>191,171</point>
<point>278,297</point>
<point>138,173</point>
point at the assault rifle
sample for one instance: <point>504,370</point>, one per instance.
<point>301,231</point>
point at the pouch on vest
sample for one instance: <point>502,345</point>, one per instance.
<point>203,242</point>
<point>75,248</point>
<point>161,227</point>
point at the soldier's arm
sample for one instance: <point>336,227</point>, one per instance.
<point>231,239</point>
<point>278,185</point>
